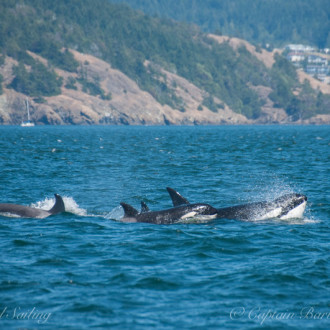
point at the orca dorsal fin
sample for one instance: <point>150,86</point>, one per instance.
<point>177,199</point>
<point>129,210</point>
<point>144,207</point>
<point>58,206</point>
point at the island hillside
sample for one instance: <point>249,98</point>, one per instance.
<point>94,62</point>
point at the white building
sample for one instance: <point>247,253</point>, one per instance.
<point>295,57</point>
<point>300,48</point>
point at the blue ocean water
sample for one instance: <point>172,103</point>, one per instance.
<point>83,269</point>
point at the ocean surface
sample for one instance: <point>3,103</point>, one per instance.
<point>85,269</point>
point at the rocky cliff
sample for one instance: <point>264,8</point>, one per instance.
<point>126,103</point>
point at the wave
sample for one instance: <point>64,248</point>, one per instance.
<point>115,214</point>
<point>71,206</point>
<point>291,221</point>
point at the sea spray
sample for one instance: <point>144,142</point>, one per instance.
<point>71,206</point>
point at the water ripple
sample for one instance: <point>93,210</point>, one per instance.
<point>89,271</point>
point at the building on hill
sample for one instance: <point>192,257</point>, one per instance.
<point>299,48</point>
<point>304,57</point>
<point>295,57</point>
<point>318,60</point>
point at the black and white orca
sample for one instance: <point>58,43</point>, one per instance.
<point>285,207</point>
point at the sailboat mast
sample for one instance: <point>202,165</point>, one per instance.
<point>27,109</point>
<point>27,123</point>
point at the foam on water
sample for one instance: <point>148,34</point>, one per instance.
<point>45,204</point>
<point>115,214</point>
<point>299,221</point>
<point>71,206</point>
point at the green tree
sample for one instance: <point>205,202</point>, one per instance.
<point>128,40</point>
<point>40,81</point>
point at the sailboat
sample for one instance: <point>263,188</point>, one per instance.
<point>27,123</point>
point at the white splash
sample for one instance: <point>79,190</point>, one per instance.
<point>115,214</point>
<point>297,221</point>
<point>45,204</point>
<point>268,187</point>
<point>71,205</point>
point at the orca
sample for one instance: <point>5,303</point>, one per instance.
<point>144,207</point>
<point>168,216</point>
<point>285,207</point>
<point>31,212</point>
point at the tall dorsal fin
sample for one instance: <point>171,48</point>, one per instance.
<point>129,210</point>
<point>177,199</point>
<point>144,207</point>
<point>58,206</point>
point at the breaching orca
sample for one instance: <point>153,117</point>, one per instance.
<point>30,212</point>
